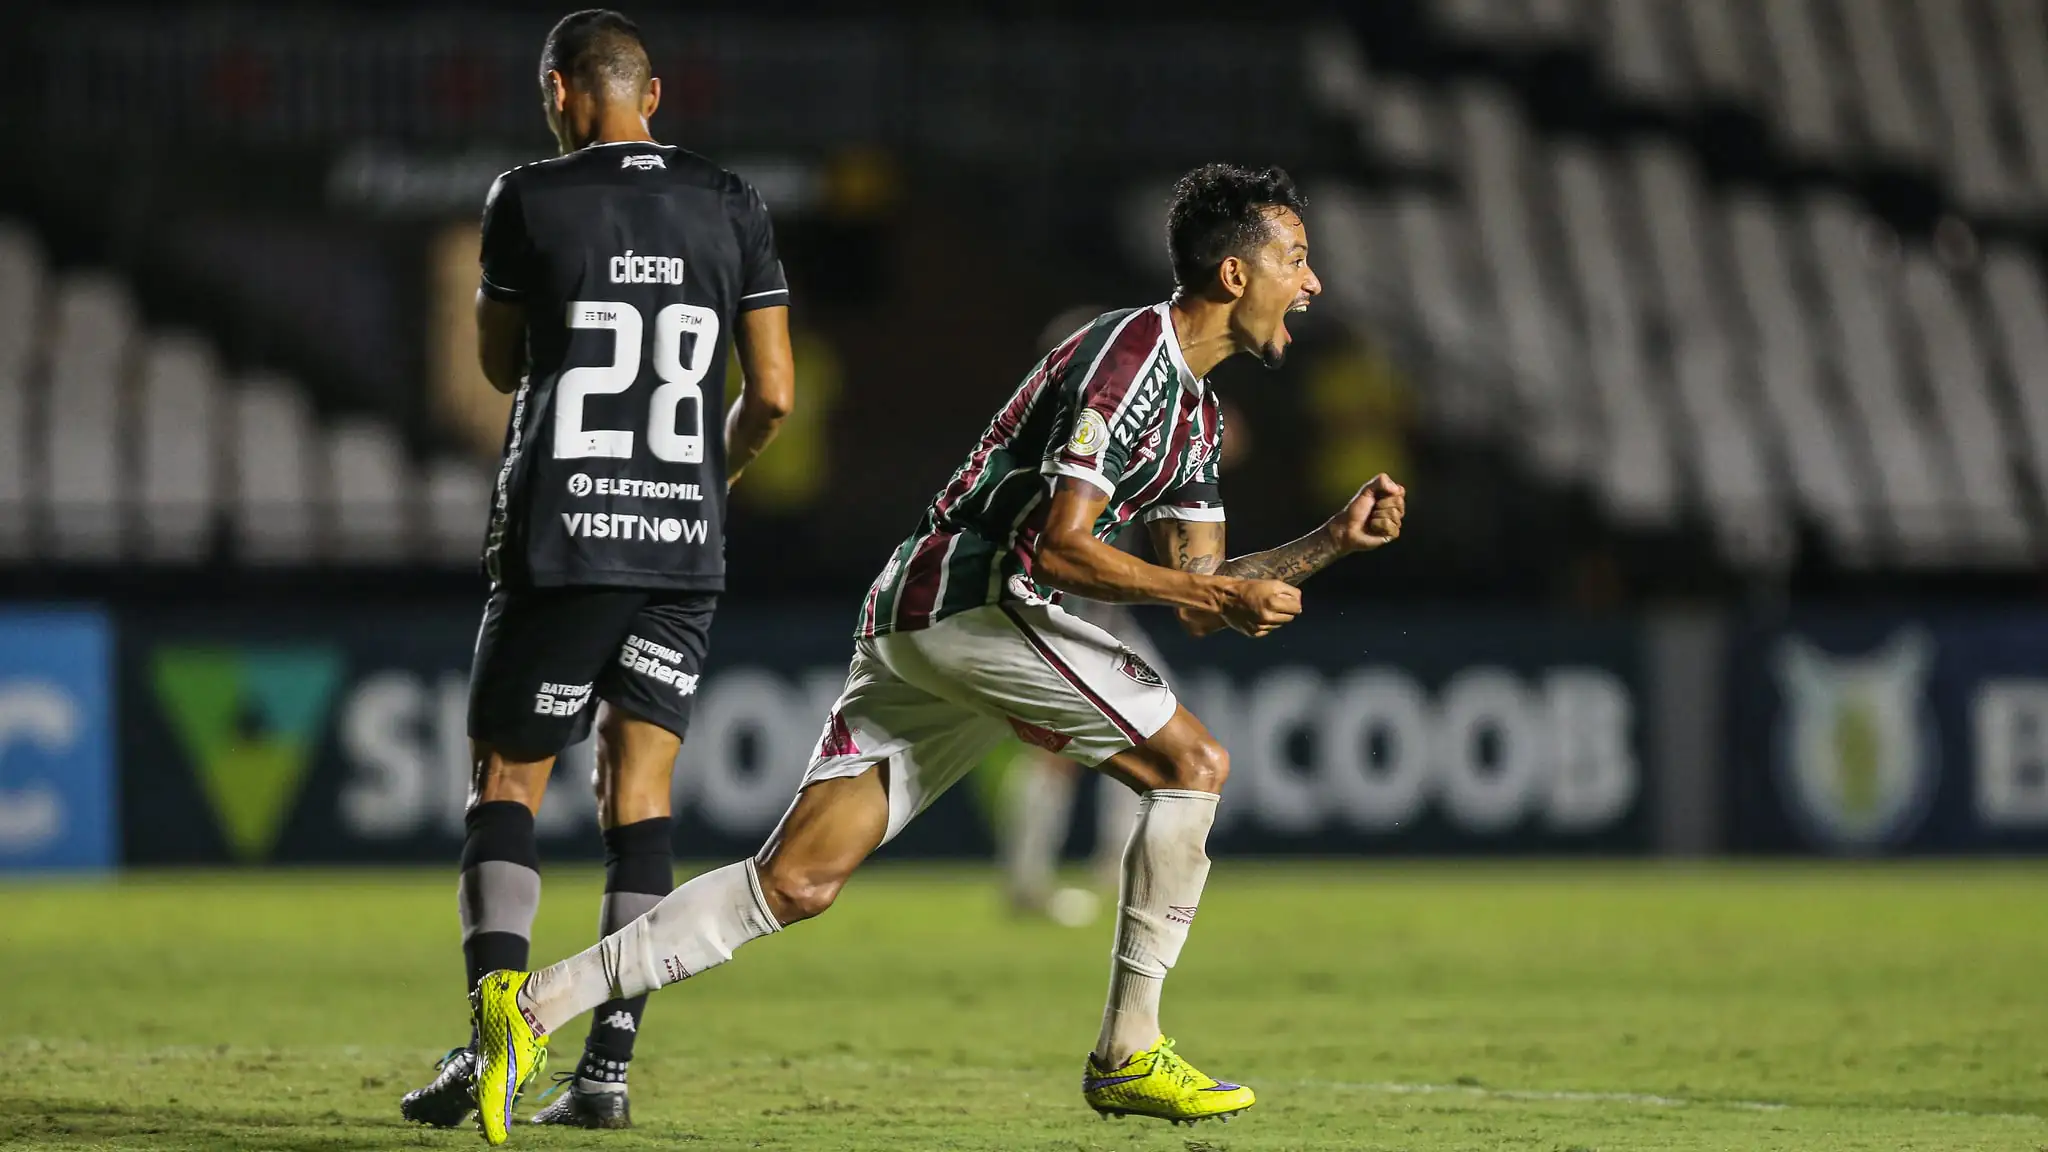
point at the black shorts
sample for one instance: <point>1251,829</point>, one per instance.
<point>544,654</point>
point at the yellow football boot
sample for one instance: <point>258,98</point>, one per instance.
<point>508,1052</point>
<point>1158,1083</point>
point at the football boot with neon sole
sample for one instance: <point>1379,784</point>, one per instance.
<point>1159,1084</point>
<point>509,1053</point>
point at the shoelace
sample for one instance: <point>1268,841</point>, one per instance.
<point>540,1068</point>
<point>452,1055</point>
<point>1169,1062</point>
<point>562,1080</point>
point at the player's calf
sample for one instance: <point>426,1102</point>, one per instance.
<point>1165,866</point>
<point>828,831</point>
<point>638,873</point>
<point>832,827</point>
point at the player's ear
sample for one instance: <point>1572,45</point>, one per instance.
<point>558,91</point>
<point>650,99</point>
<point>1233,274</point>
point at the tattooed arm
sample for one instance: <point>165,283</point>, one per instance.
<point>1191,546</point>
<point>1069,557</point>
<point>1371,520</point>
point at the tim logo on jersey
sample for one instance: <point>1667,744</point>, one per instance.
<point>619,526</point>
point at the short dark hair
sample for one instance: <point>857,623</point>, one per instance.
<point>1219,210</point>
<point>596,49</point>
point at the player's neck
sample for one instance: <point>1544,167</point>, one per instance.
<point>635,133</point>
<point>1203,330</point>
<point>622,127</point>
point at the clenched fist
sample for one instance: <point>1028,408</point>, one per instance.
<point>1258,607</point>
<point>1373,518</point>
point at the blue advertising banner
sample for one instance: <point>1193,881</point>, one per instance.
<point>1425,732</point>
<point>57,779</point>
<point>257,734</point>
<point>1870,733</point>
<point>339,733</point>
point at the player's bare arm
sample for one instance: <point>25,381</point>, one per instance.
<point>1191,546</point>
<point>501,342</point>
<point>768,389</point>
<point>1371,520</point>
<point>1070,558</point>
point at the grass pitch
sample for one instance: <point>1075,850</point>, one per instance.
<point>1553,1008</point>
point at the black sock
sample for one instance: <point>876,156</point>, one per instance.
<point>499,890</point>
<point>637,873</point>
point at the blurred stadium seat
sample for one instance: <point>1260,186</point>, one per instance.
<point>21,274</point>
<point>1704,327</point>
<point>1751,286</point>
<point>82,408</point>
<point>179,448</point>
<point>279,479</point>
<point>85,389</point>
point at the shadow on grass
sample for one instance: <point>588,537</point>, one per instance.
<point>25,1122</point>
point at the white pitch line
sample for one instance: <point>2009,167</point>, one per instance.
<point>1641,1099</point>
<point>1645,1099</point>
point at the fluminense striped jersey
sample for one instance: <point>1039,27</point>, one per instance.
<point>1114,405</point>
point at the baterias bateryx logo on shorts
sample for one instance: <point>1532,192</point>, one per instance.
<point>561,699</point>
<point>658,661</point>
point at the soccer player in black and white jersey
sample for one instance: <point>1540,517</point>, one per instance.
<point>615,279</point>
<point>961,643</point>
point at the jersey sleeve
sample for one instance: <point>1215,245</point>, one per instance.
<point>1201,497</point>
<point>507,247</point>
<point>761,281</point>
<point>1109,409</point>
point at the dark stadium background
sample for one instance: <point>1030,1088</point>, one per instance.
<point>1678,781</point>
<point>1687,572</point>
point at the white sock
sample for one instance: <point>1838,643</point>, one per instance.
<point>695,927</point>
<point>1041,798</point>
<point>1165,866</point>
<point>1116,813</point>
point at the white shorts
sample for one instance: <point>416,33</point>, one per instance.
<point>1118,620</point>
<point>931,704</point>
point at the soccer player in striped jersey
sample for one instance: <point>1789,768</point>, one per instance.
<point>1036,788</point>
<point>962,642</point>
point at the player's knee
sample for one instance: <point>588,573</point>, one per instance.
<point>798,894</point>
<point>1203,767</point>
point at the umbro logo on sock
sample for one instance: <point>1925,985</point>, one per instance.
<point>622,1020</point>
<point>1181,913</point>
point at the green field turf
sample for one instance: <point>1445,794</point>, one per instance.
<point>1394,1006</point>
